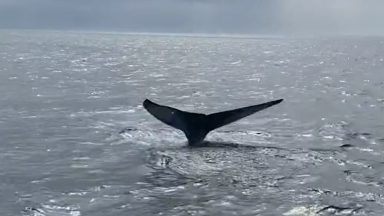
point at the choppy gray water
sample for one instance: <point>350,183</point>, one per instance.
<point>76,141</point>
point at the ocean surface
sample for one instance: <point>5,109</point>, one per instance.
<point>76,141</point>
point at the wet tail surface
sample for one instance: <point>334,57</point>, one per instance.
<point>196,125</point>
<point>220,119</point>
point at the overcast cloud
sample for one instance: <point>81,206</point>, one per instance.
<point>198,16</point>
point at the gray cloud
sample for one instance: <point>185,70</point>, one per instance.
<point>202,16</point>
<point>333,16</point>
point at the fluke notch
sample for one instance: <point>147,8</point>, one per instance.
<point>196,126</point>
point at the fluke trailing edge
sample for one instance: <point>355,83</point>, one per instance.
<point>196,125</point>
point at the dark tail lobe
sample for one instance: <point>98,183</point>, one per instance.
<point>220,119</point>
<point>195,125</point>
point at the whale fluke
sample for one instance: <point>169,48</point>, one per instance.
<point>196,125</point>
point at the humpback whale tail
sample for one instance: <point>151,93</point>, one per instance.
<point>196,125</point>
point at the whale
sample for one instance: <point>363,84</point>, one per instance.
<point>196,126</point>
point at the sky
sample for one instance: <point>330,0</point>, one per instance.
<point>198,16</point>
